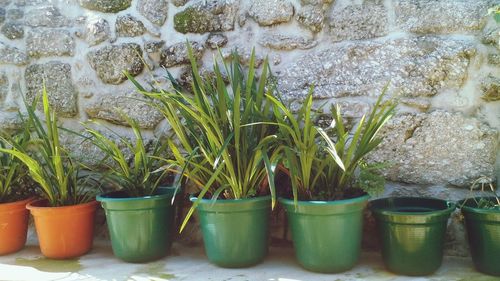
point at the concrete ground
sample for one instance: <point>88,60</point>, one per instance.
<point>190,263</point>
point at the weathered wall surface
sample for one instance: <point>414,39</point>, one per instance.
<point>441,57</point>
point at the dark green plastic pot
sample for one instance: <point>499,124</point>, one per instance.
<point>235,232</point>
<point>412,232</point>
<point>140,227</point>
<point>483,232</point>
<point>326,234</point>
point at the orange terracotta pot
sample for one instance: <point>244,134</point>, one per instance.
<point>64,232</point>
<point>13,226</point>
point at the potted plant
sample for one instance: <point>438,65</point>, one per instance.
<point>325,205</point>
<point>225,148</point>
<point>140,211</point>
<point>412,232</point>
<point>482,220</point>
<point>64,219</point>
<point>14,185</point>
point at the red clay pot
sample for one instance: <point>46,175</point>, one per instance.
<point>13,226</point>
<point>64,232</point>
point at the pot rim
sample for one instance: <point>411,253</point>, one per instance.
<point>21,204</point>
<point>450,206</point>
<point>229,201</point>
<point>32,206</point>
<point>287,201</point>
<point>103,198</point>
<point>460,205</point>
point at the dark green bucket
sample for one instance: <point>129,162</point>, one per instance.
<point>326,234</point>
<point>235,232</point>
<point>483,232</point>
<point>412,232</point>
<point>140,227</point>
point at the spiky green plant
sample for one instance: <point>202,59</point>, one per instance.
<point>220,151</point>
<point>13,175</point>
<point>48,162</point>
<point>323,167</point>
<point>139,176</point>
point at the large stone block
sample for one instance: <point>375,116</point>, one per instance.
<point>50,42</point>
<point>286,42</point>
<point>312,17</point>
<point>4,86</point>
<point>56,76</point>
<point>129,26</point>
<point>451,16</point>
<point>155,11</point>
<point>111,107</point>
<point>177,54</point>
<point>269,12</point>
<point>49,16</point>
<point>12,55</point>
<point>415,67</point>
<point>13,30</point>
<point>109,62</point>
<point>105,6</point>
<point>95,32</point>
<point>437,148</point>
<point>207,16</point>
<point>358,22</point>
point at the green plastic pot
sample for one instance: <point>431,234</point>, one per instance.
<point>140,227</point>
<point>326,234</point>
<point>235,232</point>
<point>412,232</point>
<point>483,232</point>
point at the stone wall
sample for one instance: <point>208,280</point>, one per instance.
<point>441,57</point>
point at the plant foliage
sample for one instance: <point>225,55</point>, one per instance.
<point>139,175</point>
<point>48,163</point>
<point>323,167</point>
<point>223,130</point>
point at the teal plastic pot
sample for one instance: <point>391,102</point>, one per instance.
<point>483,232</point>
<point>326,234</point>
<point>412,232</point>
<point>235,232</point>
<point>140,227</point>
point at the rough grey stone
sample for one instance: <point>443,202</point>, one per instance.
<point>179,3</point>
<point>494,59</point>
<point>13,30</point>
<point>10,121</point>
<point>491,36</point>
<point>15,14</point>
<point>358,22</point>
<point>59,85</point>
<point>129,26</point>
<point>490,86</point>
<point>109,62</point>
<point>155,11</point>
<point>30,2</point>
<point>207,16</point>
<point>2,15</point>
<point>269,12</point>
<point>4,3</point>
<point>420,103</point>
<point>95,32</point>
<point>153,46</point>
<point>430,16</point>
<point>216,40</point>
<point>315,2</point>
<point>51,42</point>
<point>421,66</point>
<point>46,17</point>
<point>286,42</point>
<point>12,55</point>
<point>437,148</point>
<point>244,54</point>
<point>311,17</point>
<point>4,86</point>
<point>177,54</point>
<point>110,107</point>
<point>105,6</point>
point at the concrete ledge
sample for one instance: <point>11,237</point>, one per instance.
<point>190,263</point>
